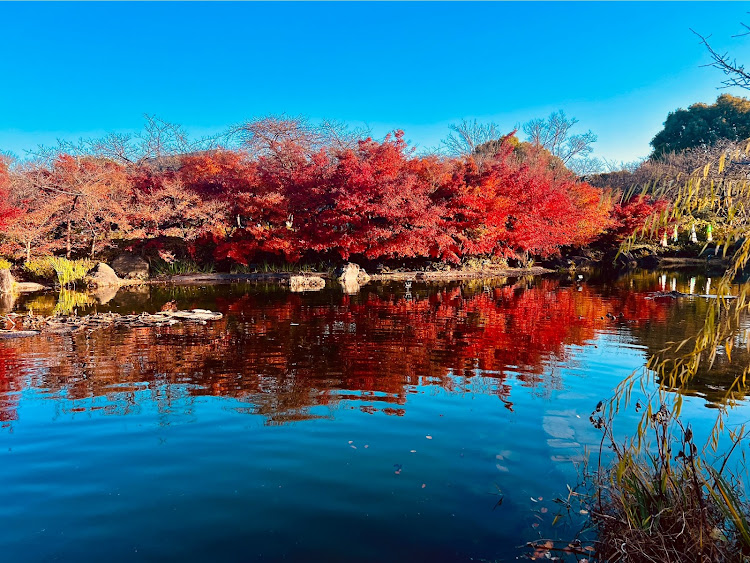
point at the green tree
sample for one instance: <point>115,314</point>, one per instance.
<point>703,125</point>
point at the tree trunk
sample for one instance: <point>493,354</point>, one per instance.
<point>68,243</point>
<point>28,251</point>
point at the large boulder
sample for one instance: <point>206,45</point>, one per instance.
<point>103,276</point>
<point>352,272</point>
<point>130,267</point>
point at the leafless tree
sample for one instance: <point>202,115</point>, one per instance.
<point>554,134</point>
<point>267,135</point>
<point>466,136</point>
<point>158,144</point>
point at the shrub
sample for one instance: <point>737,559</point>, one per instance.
<point>663,500</point>
<point>70,271</point>
<point>67,272</point>
<point>5,264</point>
<point>40,269</point>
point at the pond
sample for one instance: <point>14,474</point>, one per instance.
<point>433,422</point>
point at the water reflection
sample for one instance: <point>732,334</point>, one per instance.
<point>397,416</point>
<point>284,353</point>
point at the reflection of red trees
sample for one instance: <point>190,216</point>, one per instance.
<point>285,353</point>
<point>11,385</point>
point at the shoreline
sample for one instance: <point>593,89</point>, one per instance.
<point>452,275</point>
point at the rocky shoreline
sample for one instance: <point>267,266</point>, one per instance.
<point>17,325</point>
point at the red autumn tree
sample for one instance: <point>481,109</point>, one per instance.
<point>376,201</point>
<point>629,216</point>
<point>518,206</point>
<point>7,211</point>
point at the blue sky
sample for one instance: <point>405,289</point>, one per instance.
<point>78,70</point>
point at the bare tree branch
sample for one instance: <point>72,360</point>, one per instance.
<point>466,136</point>
<point>734,71</point>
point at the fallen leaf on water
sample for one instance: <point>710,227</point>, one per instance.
<point>423,485</point>
<point>584,511</point>
<point>351,441</point>
<point>367,446</point>
<point>412,451</point>
<point>533,499</point>
<point>428,437</point>
<point>353,447</point>
<point>543,510</point>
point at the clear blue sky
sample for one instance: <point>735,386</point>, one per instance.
<point>72,70</point>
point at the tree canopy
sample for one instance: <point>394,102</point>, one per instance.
<point>703,125</point>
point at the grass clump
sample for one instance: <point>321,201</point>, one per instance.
<point>70,271</point>
<point>664,501</point>
<point>51,268</point>
<point>181,267</point>
<point>39,269</point>
<point>266,267</point>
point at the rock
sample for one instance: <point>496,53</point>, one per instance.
<point>130,267</point>
<point>6,281</point>
<point>103,276</point>
<point>352,272</point>
<point>306,283</point>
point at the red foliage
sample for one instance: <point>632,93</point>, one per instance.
<point>7,212</point>
<point>377,200</point>
<point>522,206</point>
<point>629,216</point>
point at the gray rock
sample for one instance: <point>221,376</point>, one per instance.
<point>6,281</point>
<point>306,283</point>
<point>130,267</point>
<point>103,276</point>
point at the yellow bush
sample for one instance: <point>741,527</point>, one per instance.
<point>40,269</point>
<point>67,272</point>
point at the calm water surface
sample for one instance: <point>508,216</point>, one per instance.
<point>382,426</point>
